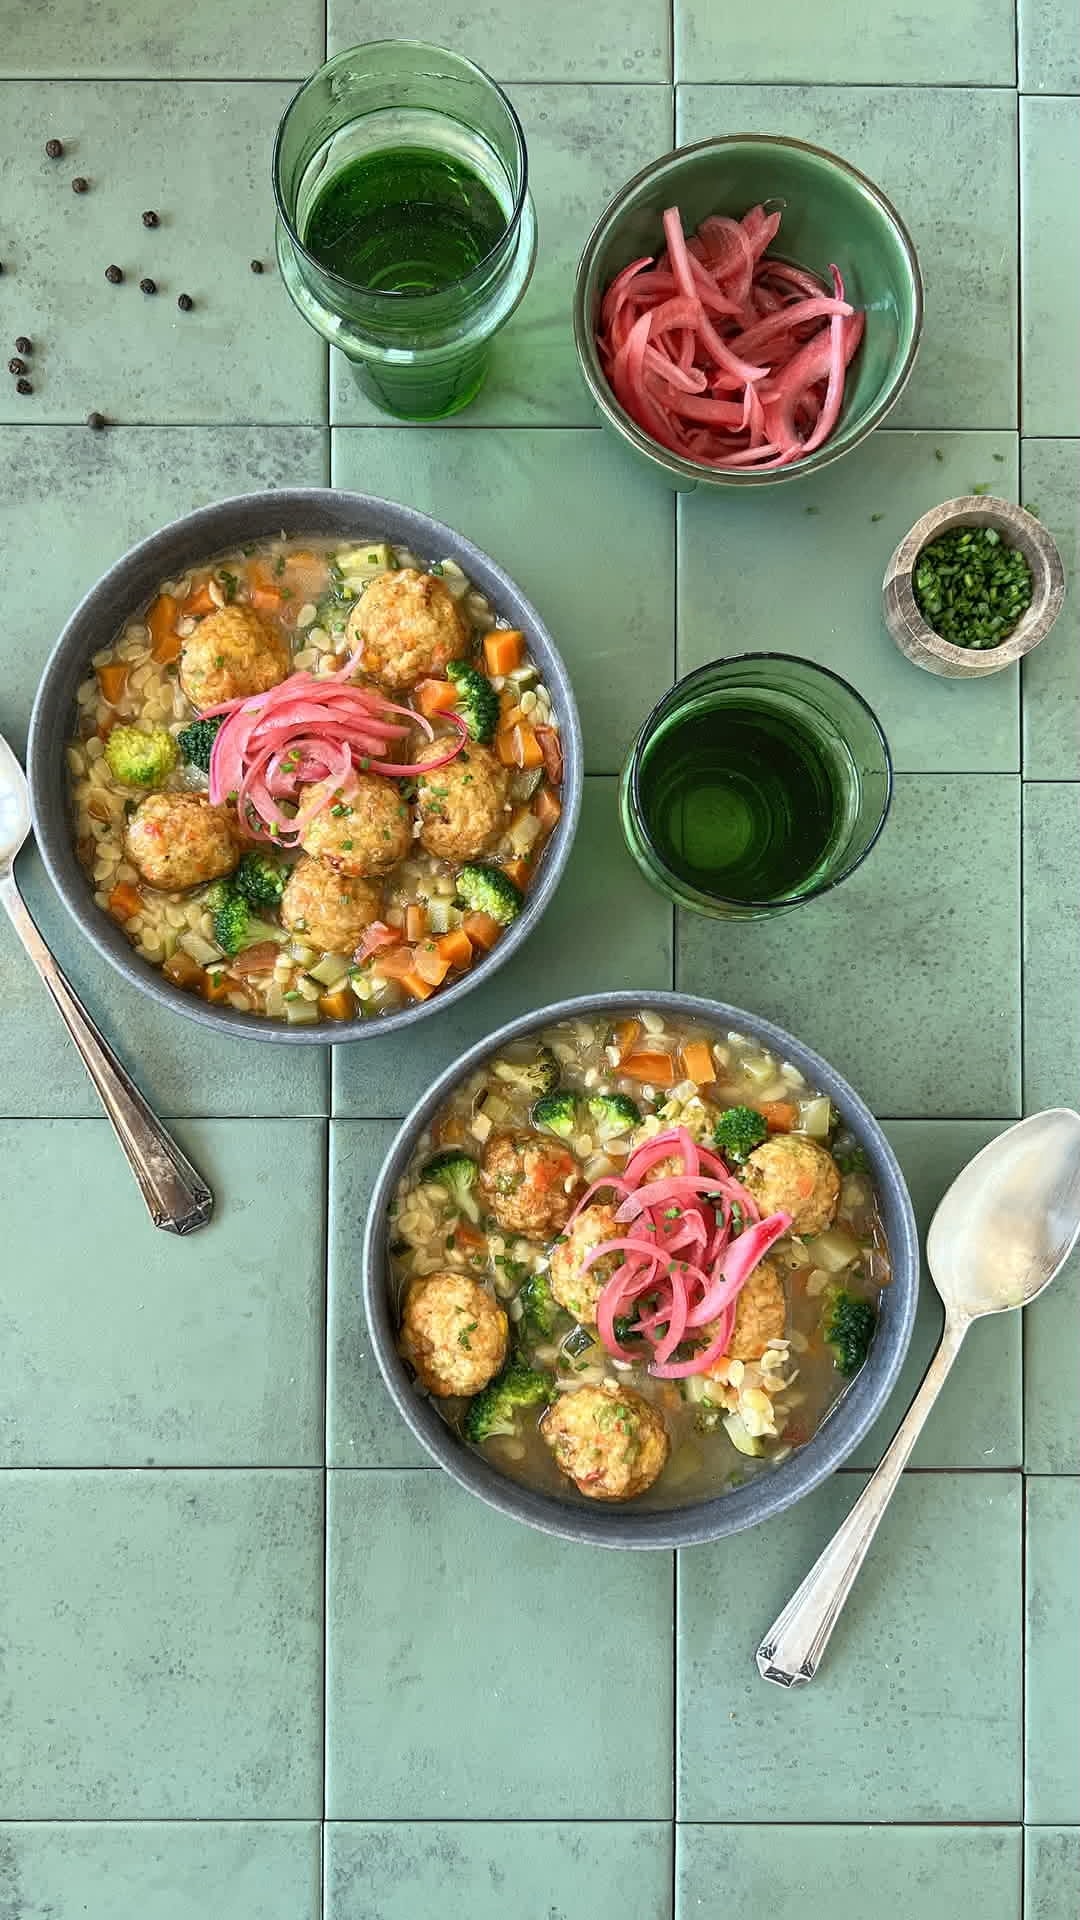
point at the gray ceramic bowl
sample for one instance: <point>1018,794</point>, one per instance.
<point>768,1493</point>
<point>197,537</point>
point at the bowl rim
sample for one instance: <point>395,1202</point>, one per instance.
<point>846,1422</point>
<point>599,388</point>
<point>1041,551</point>
<point>269,511</point>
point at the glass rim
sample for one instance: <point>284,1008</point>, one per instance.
<point>513,219</point>
<point>710,901</point>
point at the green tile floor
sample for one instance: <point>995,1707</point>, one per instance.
<point>258,1661</point>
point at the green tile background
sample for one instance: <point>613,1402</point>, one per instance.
<point>259,1661</point>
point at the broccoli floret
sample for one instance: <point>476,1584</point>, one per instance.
<point>235,926</point>
<point>738,1131</point>
<point>855,1160</point>
<point>556,1113</point>
<point>848,1323</point>
<point>477,702</point>
<point>539,1308</point>
<point>536,1076</point>
<point>613,1114</point>
<point>140,759</point>
<point>261,879</point>
<point>196,741</point>
<point>493,1411</point>
<point>489,890</point>
<point>458,1173</point>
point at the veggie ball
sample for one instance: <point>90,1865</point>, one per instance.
<point>178,840</point>
<point>530,1183</point>
<point>453,1333</point>
<point>231,653</point>
<point>760,1315</point>
<point>462,805</point>
<point>364,827</point>
<point>789,1174</point>
<point>329,909</point>
<point>610,1441</point>
<point>409,625</point>
<point>575,1287</point>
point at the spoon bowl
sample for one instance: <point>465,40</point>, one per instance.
<point>1010,1219</point>
<point>14,805</point>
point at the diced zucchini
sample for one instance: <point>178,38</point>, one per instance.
<point>201,950</point>
<point>815,1118</point>
<point>363,563</point>
<point>308,988</point>
<point>523,834</point>
<point>833,1250</point>
<point>745,1442</point>
<point>439,914</point>
<point>759,1068</point>
<point>303,955</point>
<point>331,971</point>
<point>301,1013</point>
<point>453,578</point>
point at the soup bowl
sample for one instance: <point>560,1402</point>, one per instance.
<point>304,512</point>
<point>624,1524</point>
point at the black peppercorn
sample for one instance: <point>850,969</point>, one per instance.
<point>24,345</point>
<point>95,420</point>
<point>114,275</point>
<point>54,148</point>
<point>23,386</point>
<point>147,286</point>
<point>256,266</point>
<point>185,303</point>
<point>149,218</point>
<point>16,365</point>
<point>80,183</point>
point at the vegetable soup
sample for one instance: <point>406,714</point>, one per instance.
<point>636,1259</point>
<point>312,780</point>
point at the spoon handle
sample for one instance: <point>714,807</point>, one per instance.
<point>791,1651</point>
<point>177,1197</point>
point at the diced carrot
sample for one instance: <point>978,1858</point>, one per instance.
<point>519,871</point>
<point>547,809</point>
<point>266,599</point>
<point>482,930</point>
<point>510,714</point>
<point>215,985</point>
<point>466,1238</point>
<point>503,651</point>
<point>125,901</point>
<point>455,947</point>
<point>436,696</point>
<point>161,620</point>
<point>430,963</point>
<point>448,1132</point>
<point>304,573</point>
<point>393,963</point>
<point>698,1063</point>
<point>627,1035</point>
<point>112,680</point>
<point>419,988</point>
<point>415,923</point>
<point>337,1006</point>
<point>779,1115</point>
<point>527,748</point>
<point>551,748</point>
<point>659,1068</point>
<point>166,649</point>
<point>257,573</point>
<point>504,747</point>
<point>199,601</point>
<point>182,970</point>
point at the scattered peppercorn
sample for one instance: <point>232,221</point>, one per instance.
<point>972,588</point>
<point>15,365</point>
<point>185,302</point>
<point>95,420</point>
<point>23,344</point>
<point>148,286</point>
<point>80,183</point>
<point>150,218</point>
<point>54,149</point>
<point>114,275</point>
<point>256,266</point>
<point>23,386</point>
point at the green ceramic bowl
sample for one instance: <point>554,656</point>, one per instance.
<point>831,213</point>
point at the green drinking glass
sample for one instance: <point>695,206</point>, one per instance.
<point>406,234</point>
<point>755,784</point>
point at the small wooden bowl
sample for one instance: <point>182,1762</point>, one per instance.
<point>1017,529</point>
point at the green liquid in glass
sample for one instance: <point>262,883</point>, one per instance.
<point>404,220</point>
<point>741,801</point>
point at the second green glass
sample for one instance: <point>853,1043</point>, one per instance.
<point>755,784</point>
<point>406,234</point>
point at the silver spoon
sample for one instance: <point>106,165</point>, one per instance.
<point>1003,1231</point>
<point>177,1196</point>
